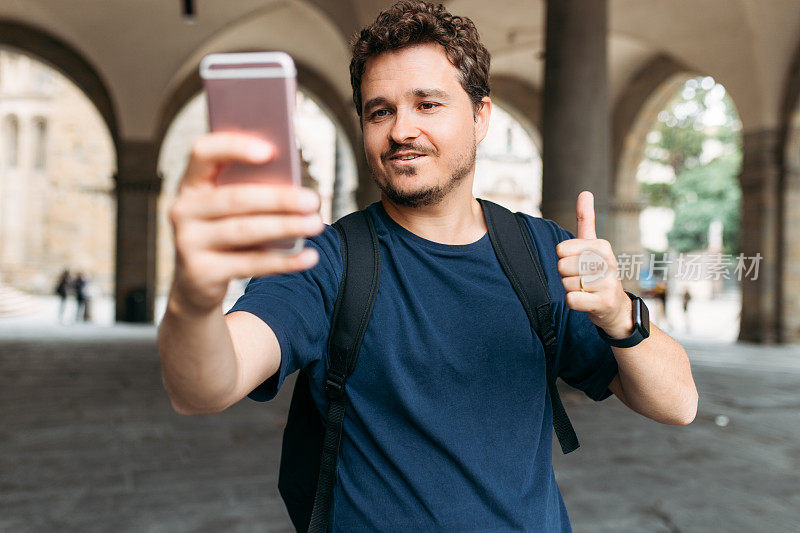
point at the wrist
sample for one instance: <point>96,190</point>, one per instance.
<point>623,325</point>
<point>640,330</point>
<point>181,303</point>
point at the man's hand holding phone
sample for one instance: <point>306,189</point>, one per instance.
<point>220,230</point>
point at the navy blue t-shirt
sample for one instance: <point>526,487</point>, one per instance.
<point>449,425</point>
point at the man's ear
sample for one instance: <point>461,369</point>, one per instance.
<point>482,118</point>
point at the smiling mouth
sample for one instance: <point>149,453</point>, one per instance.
<point>405,158</point>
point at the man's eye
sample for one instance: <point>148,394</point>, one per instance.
<point>379,113</point>
<point>428,105</point>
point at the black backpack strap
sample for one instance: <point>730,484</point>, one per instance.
<point>515,250</point>
<point>357,292</point>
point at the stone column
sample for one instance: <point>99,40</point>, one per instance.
<point>759,235</point>
<point>137,188</point>
<point>366,192</point>
<point>344,172</point>
<point>625,237</point>
<point>790,284</point>
<point>576,122</point>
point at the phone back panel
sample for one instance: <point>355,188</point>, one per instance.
<point>254,93</point>
<point>260,106</point>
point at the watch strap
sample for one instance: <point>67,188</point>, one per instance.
<point>640,332</point>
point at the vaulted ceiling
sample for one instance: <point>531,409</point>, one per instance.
<point>143,49</point>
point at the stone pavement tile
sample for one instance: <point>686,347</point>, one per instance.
<point>703,477</point>
<point>89,442</point>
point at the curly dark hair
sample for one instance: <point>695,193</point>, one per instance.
<point>410,22</point>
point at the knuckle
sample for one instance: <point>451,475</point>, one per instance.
<point>290,224</point>
<point>270,263</point>
<point>183,239</point>
<point>175,213</point>
<point>251,265</point>
<point>178,212</point>
<point>283,198</point>
<point>199,147</point>
<point>230,199</point>
<point>241,227</point>
<point>570,300</point>
<point>294,225</point>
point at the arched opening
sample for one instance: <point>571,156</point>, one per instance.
<point>328,167</point>
<point>508,167</point>
<point>56,190</point>
<point>687,177</point>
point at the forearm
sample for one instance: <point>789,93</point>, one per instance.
<point>198,362</point>
<point>656,381</point>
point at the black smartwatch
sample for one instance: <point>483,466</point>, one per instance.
<point>641,325</point>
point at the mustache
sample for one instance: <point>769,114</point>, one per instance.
<point>395,149</point>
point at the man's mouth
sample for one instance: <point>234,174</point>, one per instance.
<point>406,157</point>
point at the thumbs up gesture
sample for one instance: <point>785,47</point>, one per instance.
<point>588,270</point>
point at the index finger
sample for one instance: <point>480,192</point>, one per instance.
<point>238,199</point>
<point>213,149</point>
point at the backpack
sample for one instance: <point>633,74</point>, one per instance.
<point>310,442</point>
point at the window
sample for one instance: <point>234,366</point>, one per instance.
<point>11,140</point>
<point>40,143</point>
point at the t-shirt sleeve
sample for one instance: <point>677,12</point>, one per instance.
<point>583,359</point>
<point>297,306</point>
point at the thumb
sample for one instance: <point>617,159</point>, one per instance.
<point>585,214</point>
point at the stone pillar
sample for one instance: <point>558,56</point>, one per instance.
<point>760,235</point>
<point>366,192</point>
<point>576,123</point>
<point>790,290</point>
<point>345,173</point>
<point>137,188</point>
<point>626,239</point>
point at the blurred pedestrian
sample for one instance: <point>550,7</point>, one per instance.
<point>80,285</point>
<point>62,290</point>
<point>687,297</point>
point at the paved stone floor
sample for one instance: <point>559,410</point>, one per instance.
<point>88,442</point>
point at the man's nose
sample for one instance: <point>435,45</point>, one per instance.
<point>404,127</point>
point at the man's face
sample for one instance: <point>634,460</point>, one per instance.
<point>420,131</point>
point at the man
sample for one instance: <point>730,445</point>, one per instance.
<point>448,342</point>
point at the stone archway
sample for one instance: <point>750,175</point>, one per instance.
<point>520,102</point>
<point>634,114</point>
<point>70,62</point>
<point>523,101</point>
<point>651,92</point>
<point>63,209</point>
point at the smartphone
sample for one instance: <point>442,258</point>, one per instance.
<point>254,93</point>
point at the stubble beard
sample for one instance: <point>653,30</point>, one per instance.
<point>428,196</point>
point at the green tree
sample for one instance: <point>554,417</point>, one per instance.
<point>700,120</point>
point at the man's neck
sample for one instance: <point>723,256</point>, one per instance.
<point>455,220</point>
